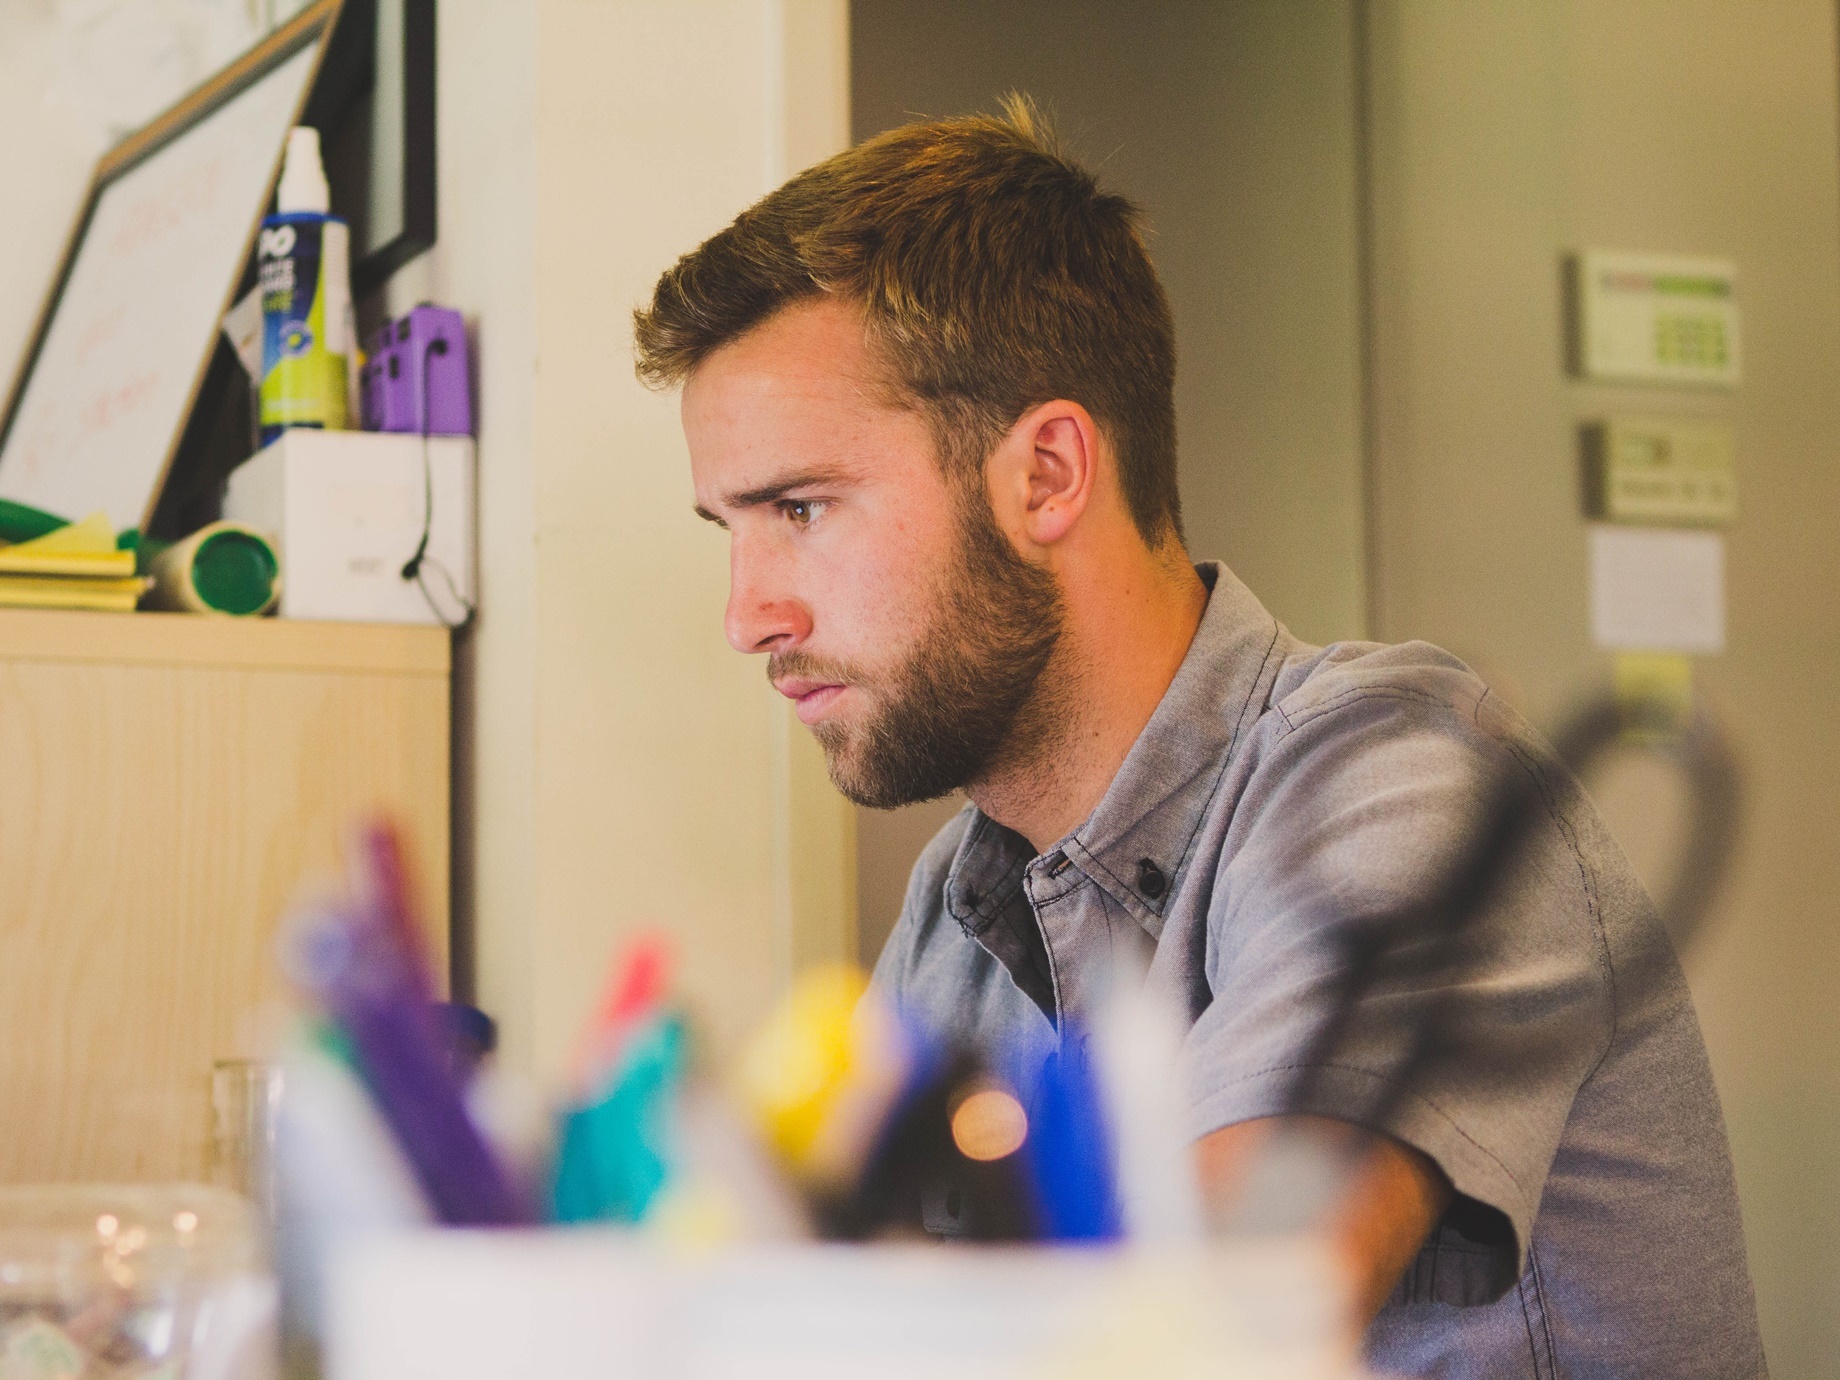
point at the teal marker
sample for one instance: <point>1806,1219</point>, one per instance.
<point>619,1152</point>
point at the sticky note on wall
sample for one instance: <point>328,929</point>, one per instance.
<point>1657,590</point>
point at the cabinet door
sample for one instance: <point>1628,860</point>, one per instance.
<point>156,821</point>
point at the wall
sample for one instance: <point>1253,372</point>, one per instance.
<point>626,769</point>
<point>1504,134</point>
<point>1185,106</point>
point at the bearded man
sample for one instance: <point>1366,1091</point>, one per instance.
<point>928,390</point>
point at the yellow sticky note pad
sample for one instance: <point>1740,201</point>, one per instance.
<point>79,548</point>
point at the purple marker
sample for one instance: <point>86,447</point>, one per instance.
<point>360,963</point>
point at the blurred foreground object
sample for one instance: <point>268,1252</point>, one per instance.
<point>131,1282</point>
<point>1299,1180</point>
<point>245,1108</point>
<point>363,961</point>
<point>599,1304</point>
<point>375,1132</point>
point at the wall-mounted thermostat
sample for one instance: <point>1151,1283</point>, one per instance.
<point>1667,470</point>
<point>1654,318</point>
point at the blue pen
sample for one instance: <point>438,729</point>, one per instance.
<point>1070,1150</point>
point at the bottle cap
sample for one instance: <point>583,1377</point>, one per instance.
<point>303,177</point>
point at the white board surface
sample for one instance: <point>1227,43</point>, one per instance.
<point>139,312</point>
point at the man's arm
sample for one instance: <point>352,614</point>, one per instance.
<point>1394,1199</point>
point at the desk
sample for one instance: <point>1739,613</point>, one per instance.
<point>166,782</point>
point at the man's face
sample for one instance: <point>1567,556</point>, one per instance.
<point>895,614</point>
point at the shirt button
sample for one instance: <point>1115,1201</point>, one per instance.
<point>1150,879</point>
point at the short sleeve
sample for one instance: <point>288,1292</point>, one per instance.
<point>1353,811</point>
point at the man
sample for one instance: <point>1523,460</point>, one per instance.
<point>928,391</point>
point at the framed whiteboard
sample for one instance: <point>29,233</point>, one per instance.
<point>157,252</point>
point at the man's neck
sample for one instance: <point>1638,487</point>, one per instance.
<point>1127,633</point>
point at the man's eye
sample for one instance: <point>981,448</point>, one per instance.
<point>801,511</point>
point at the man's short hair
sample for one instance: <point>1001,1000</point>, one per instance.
<point>992,273</point>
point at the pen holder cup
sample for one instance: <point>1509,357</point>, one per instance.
<point>471,1305</point>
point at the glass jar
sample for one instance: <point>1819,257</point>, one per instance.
<point>132,1283</point>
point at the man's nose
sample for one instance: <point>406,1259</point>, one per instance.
<point>762,615</point>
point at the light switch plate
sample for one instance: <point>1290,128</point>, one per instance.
<point>1663,470</point>
<point>1654,318</point>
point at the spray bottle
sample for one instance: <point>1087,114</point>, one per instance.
<point>303,266</point>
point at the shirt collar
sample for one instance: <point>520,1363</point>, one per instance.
<point>1137,843</point>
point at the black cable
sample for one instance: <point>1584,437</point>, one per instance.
<point>1411,950</point>
<point>1405,950</point>
<point>412,568</point>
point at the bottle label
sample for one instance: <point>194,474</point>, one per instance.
<point>301,263</point>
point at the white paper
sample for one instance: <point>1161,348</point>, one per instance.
<point>108,392</point>
<point>243,329</point>
<point>1657,590</point>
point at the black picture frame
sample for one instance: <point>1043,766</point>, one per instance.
<point>357,82</point>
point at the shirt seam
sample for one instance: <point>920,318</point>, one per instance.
<point>1201,814</point>
<point>1292,722</point>
<point>1587,883</point>
<point>1412,1093</point>
<point>1533,1343</point>
<point>1226,761</point>
<point>1539,1292</point>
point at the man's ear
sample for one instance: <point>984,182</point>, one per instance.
<point>1042,475</point>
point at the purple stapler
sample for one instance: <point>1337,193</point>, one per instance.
<point>416,378</point>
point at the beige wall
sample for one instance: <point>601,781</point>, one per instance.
<point>1185,105</point>
<point>1504,134</point>
<point>627,768</point>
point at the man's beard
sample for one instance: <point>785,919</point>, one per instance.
<point>965,702</point>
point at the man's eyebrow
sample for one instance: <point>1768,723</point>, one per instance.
<point>772,493</point>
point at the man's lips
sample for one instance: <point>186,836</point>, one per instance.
<point>811,697</point>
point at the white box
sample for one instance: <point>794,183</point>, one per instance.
<point>347,510</point>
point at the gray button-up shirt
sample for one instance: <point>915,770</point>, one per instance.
<point>1280,790</point>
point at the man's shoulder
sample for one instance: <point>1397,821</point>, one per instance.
<point>1314,681</point>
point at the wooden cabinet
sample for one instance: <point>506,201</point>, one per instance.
<point>167,785</point>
